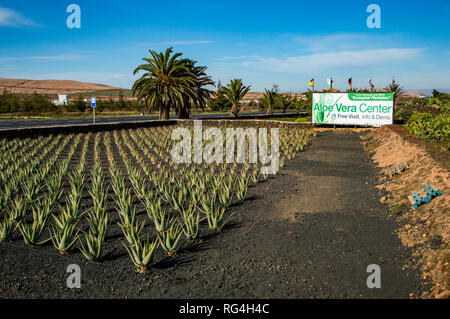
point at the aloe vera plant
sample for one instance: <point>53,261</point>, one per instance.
<point>18,209</point>
<point>142,254</point>
<point>97,221</point>
<point>6,228</point>
<point>94,242</point>
<point>255,176</point>
<point>225,197</point>
<point>138,182</point>
<point>42,211</point>
<point>176,200</point>
<point>216,218</point>
<point>127,212</point>
<point>31,233</point>
<point>31,188</point>
<point>71,211</point>
<point>208,202</point>
<point>191,220</point>
<point>158,216</point>
<point>64,237</point>
<point>170,239</point>
<point>241,190</point>
<point>196,196</point>
<point>132,232</point>
<point>54,188</point>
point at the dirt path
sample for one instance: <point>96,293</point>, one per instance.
<point>310,232</point>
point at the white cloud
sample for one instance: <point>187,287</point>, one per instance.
<point>188,42</point>
<point>11,18</point>
<point>334,60</point>
<point>338,41</point>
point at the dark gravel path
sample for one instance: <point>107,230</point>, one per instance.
<point>310,232</point>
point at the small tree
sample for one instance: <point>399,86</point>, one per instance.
<point>396,89</point>
<point>79,104</point>
<point>270,98</point>
<point>234,92</point>
<point>307,102</point>
<point>219,103</point>
<point>121,102</point>
<point>285,102</point>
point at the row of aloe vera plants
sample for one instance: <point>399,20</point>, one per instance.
<point>175,198</point>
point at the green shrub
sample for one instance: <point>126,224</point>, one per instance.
<point>78,105</point>
<point>10,103</point>
<point>436,128</point>
<point>402,114</point>
<point>219,103</point>
<point>416,101</point>
<point>302,120</point>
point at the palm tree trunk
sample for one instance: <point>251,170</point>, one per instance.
<point>393,109</point>
<point>234,111</point>
<point>164,113</point>
<point>184,113</point>
<point>269,110</point>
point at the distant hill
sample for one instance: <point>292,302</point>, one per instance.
<point>415,94</point>
<point>51,87</point>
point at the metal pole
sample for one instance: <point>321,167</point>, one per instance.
<point>94,114</point>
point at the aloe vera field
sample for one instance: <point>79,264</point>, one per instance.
<point>70,189</point>
<point>137,224</point>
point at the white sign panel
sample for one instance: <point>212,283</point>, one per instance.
<point>368,109</point>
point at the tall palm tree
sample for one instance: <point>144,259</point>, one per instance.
<point>201,93</point>
<point>234,92</point>
<point>166,83</point>
<point>269,98</point>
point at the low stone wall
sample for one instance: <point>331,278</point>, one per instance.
<point>84,128</point>
<point>247,123</point>
<point>80,128</point>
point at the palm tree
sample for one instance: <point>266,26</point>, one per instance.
<point>167,83</point>
<point>307,101</point>
<point>396,89</point>
<point>234,92</point>
<point>286,101</point>
<point>201,94</point>
<point>269,98</point>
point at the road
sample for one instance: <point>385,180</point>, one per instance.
<point>124,119</point>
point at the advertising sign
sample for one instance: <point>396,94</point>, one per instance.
<point>367,109</point>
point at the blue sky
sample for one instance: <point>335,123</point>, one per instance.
<point>262,42</point>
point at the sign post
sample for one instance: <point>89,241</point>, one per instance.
<point>93,105</point>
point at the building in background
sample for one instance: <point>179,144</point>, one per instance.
<point>63,99</point>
